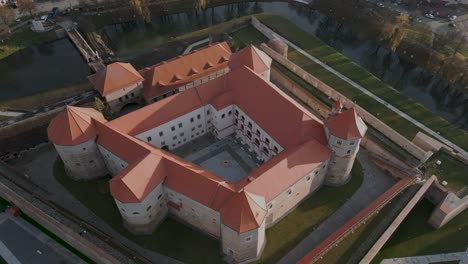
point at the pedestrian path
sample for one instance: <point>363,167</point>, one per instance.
<point>378,99</point>
<point>457,256</point>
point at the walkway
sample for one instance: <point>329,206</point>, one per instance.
<point>193,45</point>
<point>38,168</point>
<point>378,99</point>
<point>463,256</point>
<point>10,113</point>
<point>375,183</point>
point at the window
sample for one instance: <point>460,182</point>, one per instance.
<point>174,137</point>
<point>163,143</point>
<point>161,134</point>
<point>193,129</point>
<point>250,124</point>
<point>265,150</point>
<point>308,178</point>
<point>209,122</point>
<point>208,112</point>
<point>132,94</point>
<point>258,132</point>
<point>135,213</point>
<point>172,128</point>
<point>276,149</point>
<point>178,142</point>
<point>249,135</point>
<point>267,140</point>
<point>243,118</point>
<point>339,142</point>
<point>126,96</point>
<point>147,209</point>
<point>181,134</point>
<point>180,124</point>
<point>316,172</point>
<point>84,148</point>
<point>242,127</point>
<point>148,139</point>
<point>120,99</point>
<point>323,167</point>
<point>223,115</point>
<point>289,192</point>
<point>270,206</point>
<point>91,161</point>
<point>230,112</point>
<point>352,143</point>
<point>173,145</point>
<point>198,116</point>
<point>349,151</point>
<point>248,238</point>
<point>236,113</point>
<point>203,131</point>
<point>236,122</point>
<point>257,142</point>
<point>199,126</point>
<point>191,120</point>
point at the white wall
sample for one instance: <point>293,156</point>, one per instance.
<point>223,121</point>
<point>115,95</point>
<point>152,209</point>
<point>113,163</point>
<point>194,213</point>
<point>242,130</point>
<point>83,161</point>
<point>177,131</point>
<point>342,147</point>
<point>243,246</point>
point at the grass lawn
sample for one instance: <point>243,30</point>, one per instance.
<point>18,41</point>
<point>32,102</point>
<point>416,237</point>
<point>359,75</point>
<point>451,170</point>
<point>2,118</point>
<point>178,241</point>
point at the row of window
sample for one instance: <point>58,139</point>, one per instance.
<point>339,142</point>
<point>132,94</point>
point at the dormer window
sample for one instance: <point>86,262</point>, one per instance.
<point>339,142</point>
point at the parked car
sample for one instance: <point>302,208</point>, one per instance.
<point>452,17</point>
<point>429,16</point>
<point>453,25</point>
<point>379,4</point>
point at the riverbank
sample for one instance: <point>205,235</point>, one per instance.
<point>19,41</point>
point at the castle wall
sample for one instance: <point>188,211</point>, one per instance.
<point>245,246</point>
<point>193,212</point>
<point>292,196</point>
<point>339,171</point>
<point>342,147</point>
<point>143,217</point>
<point>83,161</point>
<point>177,131</point>
<point>254,136</point>
<point>120,94</point>
<point>223,122</point>
<point>113,163</point>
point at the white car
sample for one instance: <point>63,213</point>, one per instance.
<point>429,16</point>
<point>452,18</point>
<point>380,4</point>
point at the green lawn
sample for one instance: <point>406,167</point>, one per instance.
<point>18,41</point>
<point>416,237</point>
<point>359,75</point>
<point>2,118</point>
<point>178,241</point>
<point>451,170</point>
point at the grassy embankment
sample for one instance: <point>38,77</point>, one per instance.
<point>18,41</point>
<point>451,170</point>
<point>183,243</point>
<point>359,75</point>
<point>4,204</point>
<point>32,102</point>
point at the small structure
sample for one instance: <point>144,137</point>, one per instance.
<point>278,46</point>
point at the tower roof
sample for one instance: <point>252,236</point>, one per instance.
<point>73,126</point>
<point>243,212</point>
<point>347,125</point>
<point>115,77</point>
<point>250,57</point>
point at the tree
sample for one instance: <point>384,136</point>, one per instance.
<point>201,4</point>
<point>26,6</point>
<point>395,31</point>
<point>6,15</point>
<point>101,107</point>
<point>141,9</point>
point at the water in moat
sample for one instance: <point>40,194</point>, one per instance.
<point>131,39</point>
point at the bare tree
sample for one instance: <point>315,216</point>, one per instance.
<point>395,31</point>
<point>141,8</point>
<point>26,6</point>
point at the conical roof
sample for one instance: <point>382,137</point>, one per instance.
<point>73,126</point>
<point>347,125</point>
<point>115,77</point>
<point>243,212</point>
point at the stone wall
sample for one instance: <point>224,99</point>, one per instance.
<point>243,247</point>
<point>450,207</point>
<point>330,92</point>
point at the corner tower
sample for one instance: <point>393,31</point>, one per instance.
<point>74,137</point>
<point>344,132</point>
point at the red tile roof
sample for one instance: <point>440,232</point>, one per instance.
<point>135,182</point>
<point>285,169</point>
<point>249,57</point>
<point>163,77</point>
<point>242,213</point>
<point>347,125</point>
<point>73,126</point>
<point>114,77</point>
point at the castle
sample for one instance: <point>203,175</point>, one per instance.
<point>233,97</point>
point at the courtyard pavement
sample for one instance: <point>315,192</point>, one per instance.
<point>38,167</point>
<point>375,182</point>
<point>20,242</point>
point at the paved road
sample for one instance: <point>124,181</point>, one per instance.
<point>378,99</point>
<point>374,184</point>
<point>38,166</point>
<point>20,242</point>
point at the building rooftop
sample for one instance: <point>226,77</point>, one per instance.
<point>115,77</point>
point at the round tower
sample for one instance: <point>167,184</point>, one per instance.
<point>344,131</point>
<point>74,137</point>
